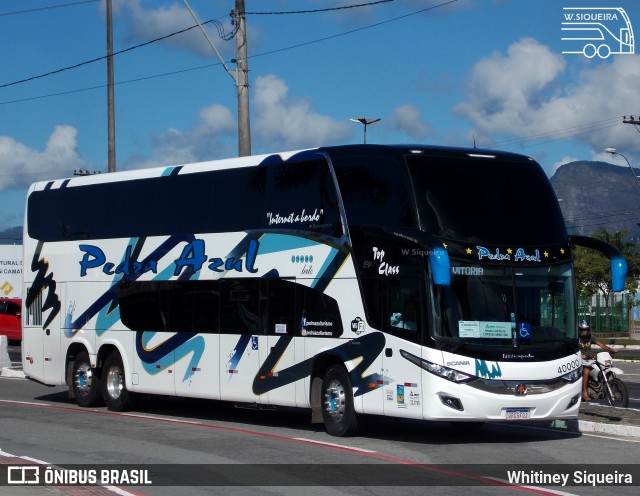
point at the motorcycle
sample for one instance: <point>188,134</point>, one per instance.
<point>604,383</point>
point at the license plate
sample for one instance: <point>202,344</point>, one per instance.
<point>517,413</point>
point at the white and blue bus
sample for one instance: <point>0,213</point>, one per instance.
<point>417,282</point>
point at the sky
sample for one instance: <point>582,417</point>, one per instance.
<point>444,72</point>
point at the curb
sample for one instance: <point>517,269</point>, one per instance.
<point>12,372</point>
<point>586,426</point>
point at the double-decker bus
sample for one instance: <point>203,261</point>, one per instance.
<point>408,281</point>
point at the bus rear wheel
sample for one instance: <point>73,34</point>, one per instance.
<point>85,382</point>
<point>114,391</point>
<point>338,412</point>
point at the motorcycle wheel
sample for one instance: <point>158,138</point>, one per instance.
<point>619,394</point>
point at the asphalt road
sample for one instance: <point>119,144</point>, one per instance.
<point>40,422</point>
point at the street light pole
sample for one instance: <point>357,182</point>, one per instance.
<point>613,151</point>
<point>365,122</point>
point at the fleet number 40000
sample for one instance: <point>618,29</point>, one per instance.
<point>568,367</point>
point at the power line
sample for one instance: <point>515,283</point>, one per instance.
<point>215,21</point>
<point>50,7</point>
<point>97,59</point>
<point>328,9</point>
<point>291,47</point>
<point>558,134</point>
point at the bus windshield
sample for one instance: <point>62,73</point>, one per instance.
<point>507,306</point>
<point>485,200</point>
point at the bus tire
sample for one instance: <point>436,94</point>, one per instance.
<point>85,382</point>
<point>114,391</point>
<point>338,412</point>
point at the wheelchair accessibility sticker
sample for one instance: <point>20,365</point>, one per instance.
<point>524,331</point>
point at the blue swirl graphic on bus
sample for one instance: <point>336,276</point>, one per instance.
<point>106,306</point>
<point>238,351</point>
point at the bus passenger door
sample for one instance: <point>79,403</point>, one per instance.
<point>195,311</point>
<point>33,335</point>
<point>277,373</point>
<point>404,322</point>
<point>241,339</point>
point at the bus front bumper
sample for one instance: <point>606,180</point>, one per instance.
<point>515,402</point>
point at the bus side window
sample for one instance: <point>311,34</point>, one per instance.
<point>313,307</point>
<point>141,307</point>
<point>194,307</point>
<point>240,306</point>
<point>403,304</point>
<point>280,306</point>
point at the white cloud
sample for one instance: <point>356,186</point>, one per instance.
<point>285,123</point>
<point>147,24</point>
<point>564,160</point>
<point>522,94</point>
<point>21,165</point>
<point>279,123</point>
<point>505,91</point>
<point>406,119</point>
<point>212,136</point>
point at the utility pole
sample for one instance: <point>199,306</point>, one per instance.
<point>111,120</point>
<point>242,81</point>
<point>241,78</point>
<point>631,120</point>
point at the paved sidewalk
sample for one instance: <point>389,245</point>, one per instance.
<point>601,418</point>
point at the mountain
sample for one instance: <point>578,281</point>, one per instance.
<point>12,236</point>
<point>593,195</point>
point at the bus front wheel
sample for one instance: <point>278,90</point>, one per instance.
<point>338,412</point>
<point>85,381</point>
<point>114,391</point>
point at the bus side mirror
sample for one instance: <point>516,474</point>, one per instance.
<point>440,266</point>
<point>618,273</point>
<point>618,263</point>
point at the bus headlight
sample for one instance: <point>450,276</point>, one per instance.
<point>439,370</point>
<point>446,373</point>
<point>572,376</point>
